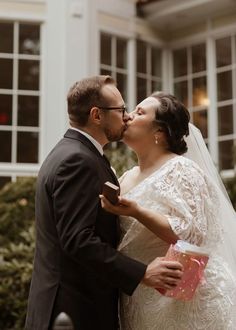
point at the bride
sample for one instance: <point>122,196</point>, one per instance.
<point>169,197</point>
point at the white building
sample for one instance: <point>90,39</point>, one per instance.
<point>187,47</point>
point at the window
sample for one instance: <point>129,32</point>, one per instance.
<point>226,99</point>
<point>19,92</point>
<point>4,180</point>
<point>190,83</point>
<point>113,60</point>
<point>149,73</point>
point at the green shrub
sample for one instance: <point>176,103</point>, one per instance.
<point>16,251</point>
<point>230,185</point>
<point>121,157</point>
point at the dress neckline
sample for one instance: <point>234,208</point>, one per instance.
<point>151,174</point>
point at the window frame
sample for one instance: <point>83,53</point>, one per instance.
<point>209,37</point>
<point>15,169</point>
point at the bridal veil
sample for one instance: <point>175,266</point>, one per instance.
<point>198,152</point>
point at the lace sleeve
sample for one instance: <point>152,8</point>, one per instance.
<point>192,214</point>
<point>121,178</point>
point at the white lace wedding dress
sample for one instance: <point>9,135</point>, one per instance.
<point>180,191</point>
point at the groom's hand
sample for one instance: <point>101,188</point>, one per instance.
<point>163,274</point>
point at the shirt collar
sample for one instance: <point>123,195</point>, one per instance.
<point>94,142</point>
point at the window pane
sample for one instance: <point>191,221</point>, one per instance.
<point>225,120</point>
<point>156,62</point>
<point>6,75</point>
<point>105,49</point>
<point>6,37</point>
<point>224,85</point>
<point>29,39</point>
<point>28,75</point>
<point>226,155</point>
<point>223,52</point>
<point>121,53</point>
<point>141,89</point>
<point>5,109</point>
<point>199,91</point>
<point>28,111</point>
<point>156,86</point>
<point>5,143</point>
<point>105,72</point>
<point>200,120</point>
<point>4,180</point>
<point>27,147</point>
<point>122,84</point>
<point>199,58</point>
<point>181,92</point>
<point>234,50</point>
<point>180,62</point>
<point>141,57</point>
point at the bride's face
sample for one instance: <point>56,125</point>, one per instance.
<point>140,127</point>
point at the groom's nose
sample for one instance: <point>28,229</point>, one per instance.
<point>131,115</point>
<point>127,116</point>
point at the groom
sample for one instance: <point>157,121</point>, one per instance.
<point>77,268</point>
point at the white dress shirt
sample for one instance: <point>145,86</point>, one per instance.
<point>94,142</point>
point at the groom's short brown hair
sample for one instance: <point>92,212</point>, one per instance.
<point>85,94</point>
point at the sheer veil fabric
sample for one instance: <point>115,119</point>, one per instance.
<point>198,152</point>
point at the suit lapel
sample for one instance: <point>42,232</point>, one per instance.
<point>73,134</point>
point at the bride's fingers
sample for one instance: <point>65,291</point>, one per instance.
<point>109,207</point>
<point>105,203</point>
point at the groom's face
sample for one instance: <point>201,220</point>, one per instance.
<point>114,115</point>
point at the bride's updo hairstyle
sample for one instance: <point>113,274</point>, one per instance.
<point>172,117</point>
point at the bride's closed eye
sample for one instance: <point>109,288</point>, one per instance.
<point>138,112</point>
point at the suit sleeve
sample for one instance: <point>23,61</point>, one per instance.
<point>76,201</point>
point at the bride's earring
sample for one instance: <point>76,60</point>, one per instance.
<point>156,140</point>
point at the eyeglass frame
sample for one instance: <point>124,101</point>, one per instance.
<point>123,108</point>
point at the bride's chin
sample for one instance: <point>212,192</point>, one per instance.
<point>125,139</point>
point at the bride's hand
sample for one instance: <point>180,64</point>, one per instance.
<point>123,207</point>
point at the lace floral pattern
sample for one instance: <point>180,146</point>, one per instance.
<point>180,191</point>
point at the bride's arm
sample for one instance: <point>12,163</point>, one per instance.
<point>155,222</point>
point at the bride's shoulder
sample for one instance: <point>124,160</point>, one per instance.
<point>128,173</point>
<point>185,165</point>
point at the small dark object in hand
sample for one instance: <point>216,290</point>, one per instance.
<point>111,192</point>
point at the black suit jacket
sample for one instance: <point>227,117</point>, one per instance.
<point>77,268</point>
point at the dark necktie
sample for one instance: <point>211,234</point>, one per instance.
<point>106,159</point>
<point>111,170</point>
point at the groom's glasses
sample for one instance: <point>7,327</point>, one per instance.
<point>121,109</point>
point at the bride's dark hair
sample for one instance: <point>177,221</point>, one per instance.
<point>173,118</point>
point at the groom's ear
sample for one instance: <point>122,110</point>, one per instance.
<point>95,115</point>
